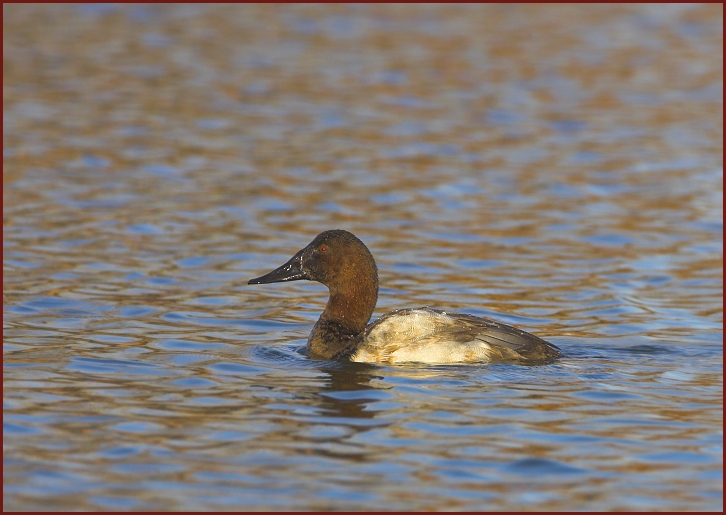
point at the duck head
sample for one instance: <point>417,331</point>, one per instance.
<point>341,262</point>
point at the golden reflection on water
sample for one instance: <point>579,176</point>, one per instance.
<point>557,167</point>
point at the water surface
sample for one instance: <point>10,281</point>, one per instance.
<point>556,167</point>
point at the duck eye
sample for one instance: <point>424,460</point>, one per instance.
<point>323,248</point>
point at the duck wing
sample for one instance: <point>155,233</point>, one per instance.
<point>506,340</point>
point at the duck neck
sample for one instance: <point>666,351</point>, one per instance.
<point>342,324</point>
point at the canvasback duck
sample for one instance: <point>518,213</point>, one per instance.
<point>344,264</point>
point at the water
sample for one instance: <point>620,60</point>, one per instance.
<point>556,167</point>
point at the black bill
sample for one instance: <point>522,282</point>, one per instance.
<point>290,271</point>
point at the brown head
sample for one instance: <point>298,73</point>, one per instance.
<point>344,264</point>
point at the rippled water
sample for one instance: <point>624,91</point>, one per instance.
<point>558,167</point>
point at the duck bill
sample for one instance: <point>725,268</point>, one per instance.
<point>290,271</point>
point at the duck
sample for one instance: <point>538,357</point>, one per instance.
<point>342,262</point>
